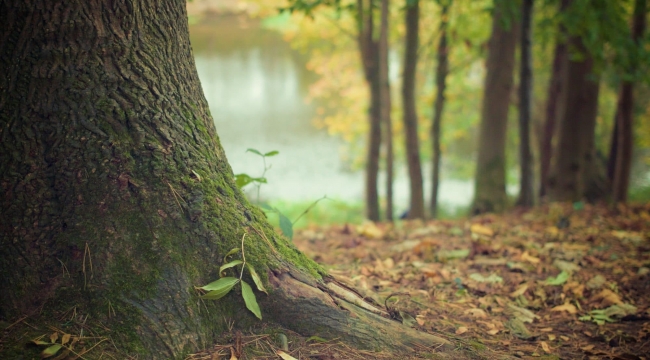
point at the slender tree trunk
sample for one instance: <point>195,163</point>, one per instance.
<point>526,194</point>
<point>369,51</point>
<point>554,104</point>
<point>575,170</point>
<point>416,210</point>
<point>490,179</point>
<point>117,198</point>
<point>386,106</point>
<point>441,80</point>
<point>624,115</point>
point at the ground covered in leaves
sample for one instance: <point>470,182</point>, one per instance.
<point>560,281</point>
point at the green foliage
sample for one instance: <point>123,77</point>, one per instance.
<point>222,287</point>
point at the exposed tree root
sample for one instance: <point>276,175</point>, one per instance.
<point>312,308</point>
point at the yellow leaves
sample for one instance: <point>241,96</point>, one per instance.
<point>370,230</point>
<point>568,307</point>
<point>479,229</point>
<point>529,258</point>
<point>607,297</point>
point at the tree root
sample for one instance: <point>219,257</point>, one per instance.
<point>326,309</point>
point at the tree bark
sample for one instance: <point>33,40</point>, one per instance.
<point>624,119</point>
<point>575,172</point>
<point>526,195</point>
<point>117,198</point>
<point>369,51</point>
<point>490,180</point>
<point>442,70</point>
<point>416,210</point>
<point>554,103</point>
<point>386,106</point>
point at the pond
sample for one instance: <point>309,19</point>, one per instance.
<point>256,86</point>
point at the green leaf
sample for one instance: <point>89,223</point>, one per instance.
<point>267,207</point>
<point>242,180</point>
<point>230,253</point>
<point>254,151</point>
<point>249,299</point>
<point>286,226</point>
<point>271,153</point>
<point>41,342</point>
<point>559,280</point>
<point>261,180</point>
<point>51,351</point>
<point>219,288</point>
<point>229,265</point>
<point>256,278</point>
<point>317,339</point>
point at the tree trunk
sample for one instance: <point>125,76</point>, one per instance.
<point>369,50</point>
<point>416,210</point>
<point>117,198</point>
<point>441,80</point>
<point>624,115</point>
<point>526,195</point>
<point>574,170</point>
<point>490,179</point>
<point>554,104</point>
<point>386,106</point>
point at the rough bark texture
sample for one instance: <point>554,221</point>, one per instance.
<point>575,172</point>
<point>442,69</point>
<point>386,106</point>
<point>416,210</point>
<point>490,179</point>
<point>554,102</point>
<point>116,197</point>
<point>526,195</point>
<point>625,117</point>
<point>369,51</point>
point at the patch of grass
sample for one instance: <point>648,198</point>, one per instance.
<point>326,212</point>
<point>639,193</point>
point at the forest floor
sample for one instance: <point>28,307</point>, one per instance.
<point>559,281</point>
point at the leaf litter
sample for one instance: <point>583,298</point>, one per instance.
<point>555,281</point>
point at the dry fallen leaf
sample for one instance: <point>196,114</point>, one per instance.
<point>477,313</point>
<point>285,356</point>
<point>545,347</point>
<point>481,230</point>
<point>520,291</point>
<point>461,330</point>
<point>608,297</point>
<point>531,259</point>
<point>571,309</point>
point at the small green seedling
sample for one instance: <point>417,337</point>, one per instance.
<point>220,288</point>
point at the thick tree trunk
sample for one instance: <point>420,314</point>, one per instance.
<point>526,195</point>
<point>490,179</point>
<point>117,199</point>
<point>554,103</point>
<point>369,51</point>
<point>625,117</point>
<point>416,210</point>
<point>575,173</point>
<point>442,70</point>
<point>386,107</point>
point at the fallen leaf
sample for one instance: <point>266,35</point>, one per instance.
<point>571,309</point>
<point>545,347</point>
<point>461,330</point>
<point>477,313</point>
<point>608,297</point>
<point>531,259</point>
<point>285,356</point>
<point>481,230</point>
<point>520,291</point>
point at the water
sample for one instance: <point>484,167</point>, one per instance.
<point>256,87</point>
